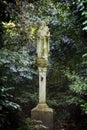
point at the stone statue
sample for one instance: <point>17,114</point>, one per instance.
<point>43,41</point>
<point>42,112</point>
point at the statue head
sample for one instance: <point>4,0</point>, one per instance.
<point>43,23</point>
<point>43,30</point>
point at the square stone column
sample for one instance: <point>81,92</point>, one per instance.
<point>43,113</point>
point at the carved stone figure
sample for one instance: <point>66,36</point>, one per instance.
<point>43,41</point>
<point>42,112</point>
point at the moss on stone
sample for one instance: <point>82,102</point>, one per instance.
<point>42,63</point>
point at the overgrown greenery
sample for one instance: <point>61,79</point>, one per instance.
<point>7,105</point>
<point>66,77</point>
<point>82,7</point>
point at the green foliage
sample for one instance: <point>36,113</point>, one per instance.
<point>29,126</point>
<point>6,104</point>
<point>85,59</point>
<point>78,85</point>
<point>18,54</point>
<point>17,62</point>
<point>32,125</point>
<point>28,96</point>
<point>82,5</point>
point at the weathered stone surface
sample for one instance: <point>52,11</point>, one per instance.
<point>43,41</point>
<point>45,114</point>
<point>42,111</point>
<point>42,63</point>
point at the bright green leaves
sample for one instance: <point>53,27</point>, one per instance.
<point>79,84</point>
<point>84,15</point>
<point>84,107</point>
<point>82,4</point>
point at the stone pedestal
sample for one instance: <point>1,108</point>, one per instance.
<point>43,113</point>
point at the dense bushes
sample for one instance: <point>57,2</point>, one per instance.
<point>66,77</point>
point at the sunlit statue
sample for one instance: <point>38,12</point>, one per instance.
<point>43,41</point>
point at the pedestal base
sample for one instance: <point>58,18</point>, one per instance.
<point>43,113</point>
